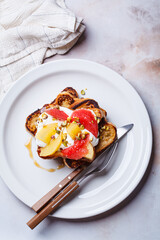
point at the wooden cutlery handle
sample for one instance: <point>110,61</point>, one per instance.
<point>52,205</point>
<point>54,191</point>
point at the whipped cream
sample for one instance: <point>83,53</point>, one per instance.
<point>94,141</point>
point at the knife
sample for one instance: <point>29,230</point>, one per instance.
<point>121,132</point>
<point>77,172</point>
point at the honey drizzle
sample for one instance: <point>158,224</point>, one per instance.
<point>28,145</point>
<point>60,166</point>
<point>39,166</point>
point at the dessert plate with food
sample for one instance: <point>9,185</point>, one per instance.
<point>60,117</point>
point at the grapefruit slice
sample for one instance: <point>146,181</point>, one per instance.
<point>87,119</point>
<point>58,114</point>
<point>77,150</point>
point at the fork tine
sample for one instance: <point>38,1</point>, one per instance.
<point>108,158</point>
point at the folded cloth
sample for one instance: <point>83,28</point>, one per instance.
<point>30,32</point>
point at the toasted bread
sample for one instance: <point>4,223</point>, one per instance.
<point>69,98</point>
<point>107,135</point>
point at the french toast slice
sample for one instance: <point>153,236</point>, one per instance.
<point>69,98</point>
<point>107,135</point>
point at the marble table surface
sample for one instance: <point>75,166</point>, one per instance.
<point>125,36</point>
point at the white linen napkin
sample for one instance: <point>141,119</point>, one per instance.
<point>31,31</point>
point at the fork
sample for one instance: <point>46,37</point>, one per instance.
<point>70,189</point>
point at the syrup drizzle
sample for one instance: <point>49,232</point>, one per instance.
<point>28,145</point>
<point>60,166</point>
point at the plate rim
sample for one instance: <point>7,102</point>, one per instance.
<point>82,61</point>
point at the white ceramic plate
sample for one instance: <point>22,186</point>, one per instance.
<point>113,93</point>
